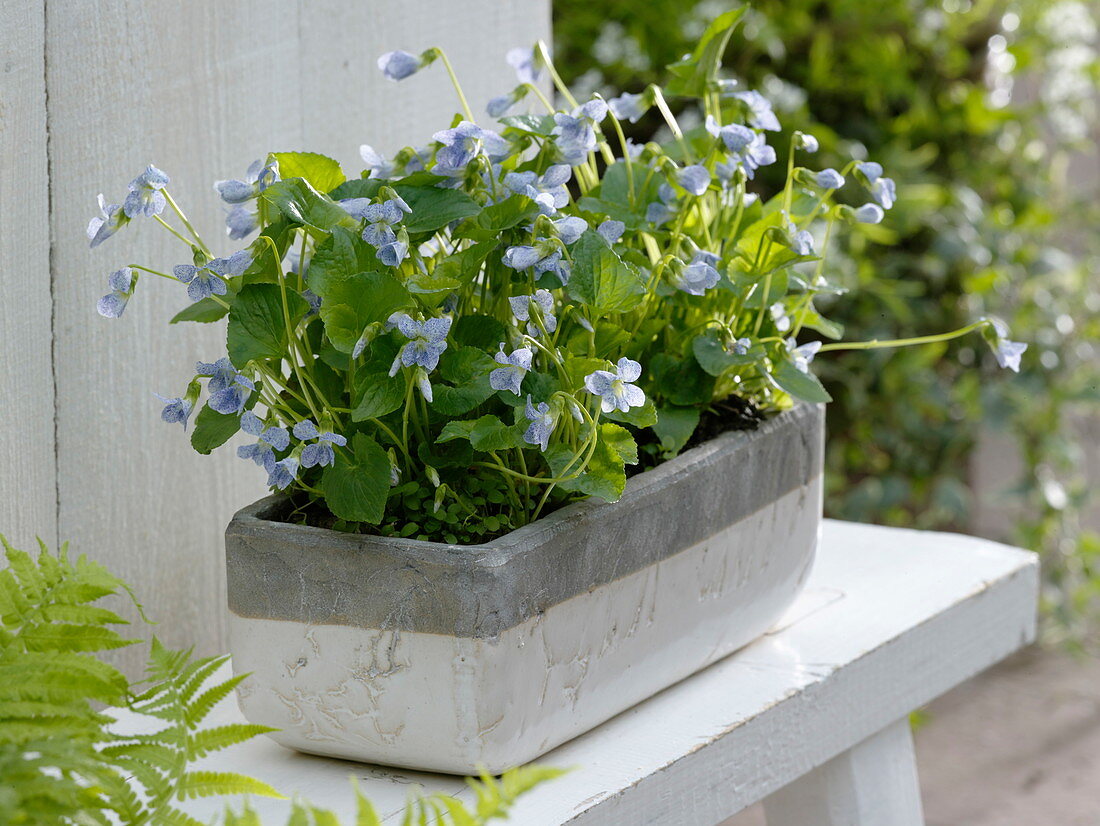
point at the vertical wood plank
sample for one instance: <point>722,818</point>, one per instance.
<point>201,89</point>
<point>28,502</point>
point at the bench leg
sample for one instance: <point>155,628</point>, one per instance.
<point>874,783</point>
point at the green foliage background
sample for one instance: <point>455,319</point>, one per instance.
<point>985,222</point>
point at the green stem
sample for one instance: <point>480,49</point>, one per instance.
<point>458,87</point>
<point>381,425</point>
<point>179,212</point>
<point>172,230</point>
<point>544,54</point>
<point>875,344</point>
<point>670,119</point>
<point>626,156</point>
<point>292,349</point>
<point>542,97</point>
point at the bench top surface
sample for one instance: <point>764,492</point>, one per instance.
<point>889,620</point>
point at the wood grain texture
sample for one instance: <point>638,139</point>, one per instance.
<point>201,89</point>
<point>28,504</point>
<point>889,620</point>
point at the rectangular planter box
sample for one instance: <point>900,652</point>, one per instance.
<point>451,658</point>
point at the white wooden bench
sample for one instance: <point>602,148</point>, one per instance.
<point>812,719</point>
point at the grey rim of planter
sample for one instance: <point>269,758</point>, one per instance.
<point>453,658</point>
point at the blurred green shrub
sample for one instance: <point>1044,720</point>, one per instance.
<point>974,107</point>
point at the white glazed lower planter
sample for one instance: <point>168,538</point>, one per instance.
<point>452,658</point>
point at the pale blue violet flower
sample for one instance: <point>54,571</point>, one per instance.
<point>110,220</point>
<point>258,178</point>
<point>398,65</point>
<point>695,178</point>
<point>747,148</point>
<point>802,355</point>
<point>314,302</point>
<point>175,410</point>
<point>228,387</point>
<point>829,179</point>
<point>542,424</point>
<point>698,276</point>
<point>427,341</point>
<point>548,191</point>
<point>869,171</point>
<point>145,196</point>
<point>379,167</point>
<point>570,229</point>
<point>380,220</point>
<point>462,144</point>
<point>575,134</point>
<point>498,107</point>
<point>242,219</point>
<point>802,241</point>
<point>423,383</point>
<point>203,282</point>
<point>268,440</point>
<point>884,191</point>
<point>523,61</point>
<point>521,309</point>
<point>628,106</point>
<point>514,367</point>
<point>741,346</point>
<point>806,142</point>
<point>658,212</point>
<point>121,286</point>
<point>1006,352</point>
<point>869,214</point>
<point>611,230</point>
<point>779,316</point>
<point>761,115</point>
<point>321,452</point>
<point>282,473</point>
<point>614,389</point>
<point>544,256</point>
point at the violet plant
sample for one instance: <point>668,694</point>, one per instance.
<point>476,331</point>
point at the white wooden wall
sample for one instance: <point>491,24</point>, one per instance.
<point>97,89</point>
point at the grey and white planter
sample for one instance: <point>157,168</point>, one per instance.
<point>453,658</point>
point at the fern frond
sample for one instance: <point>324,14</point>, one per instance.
<point>32,584</point>
<point>323,817</point>
<point>202,743</point>
<point>82,614</point>
<point>59,760</point>
<point>57,636</point>
<point>208,784</point>
<point>59,677</point>
<point>459,814</point>
<point>522,779</point>
<point>150,754</point>
<point>201,706</point>
<point>196,674</point>
<point>365,813</point>
<point>299,815</point>
<point>247,817</point>
<point>174,817</point>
